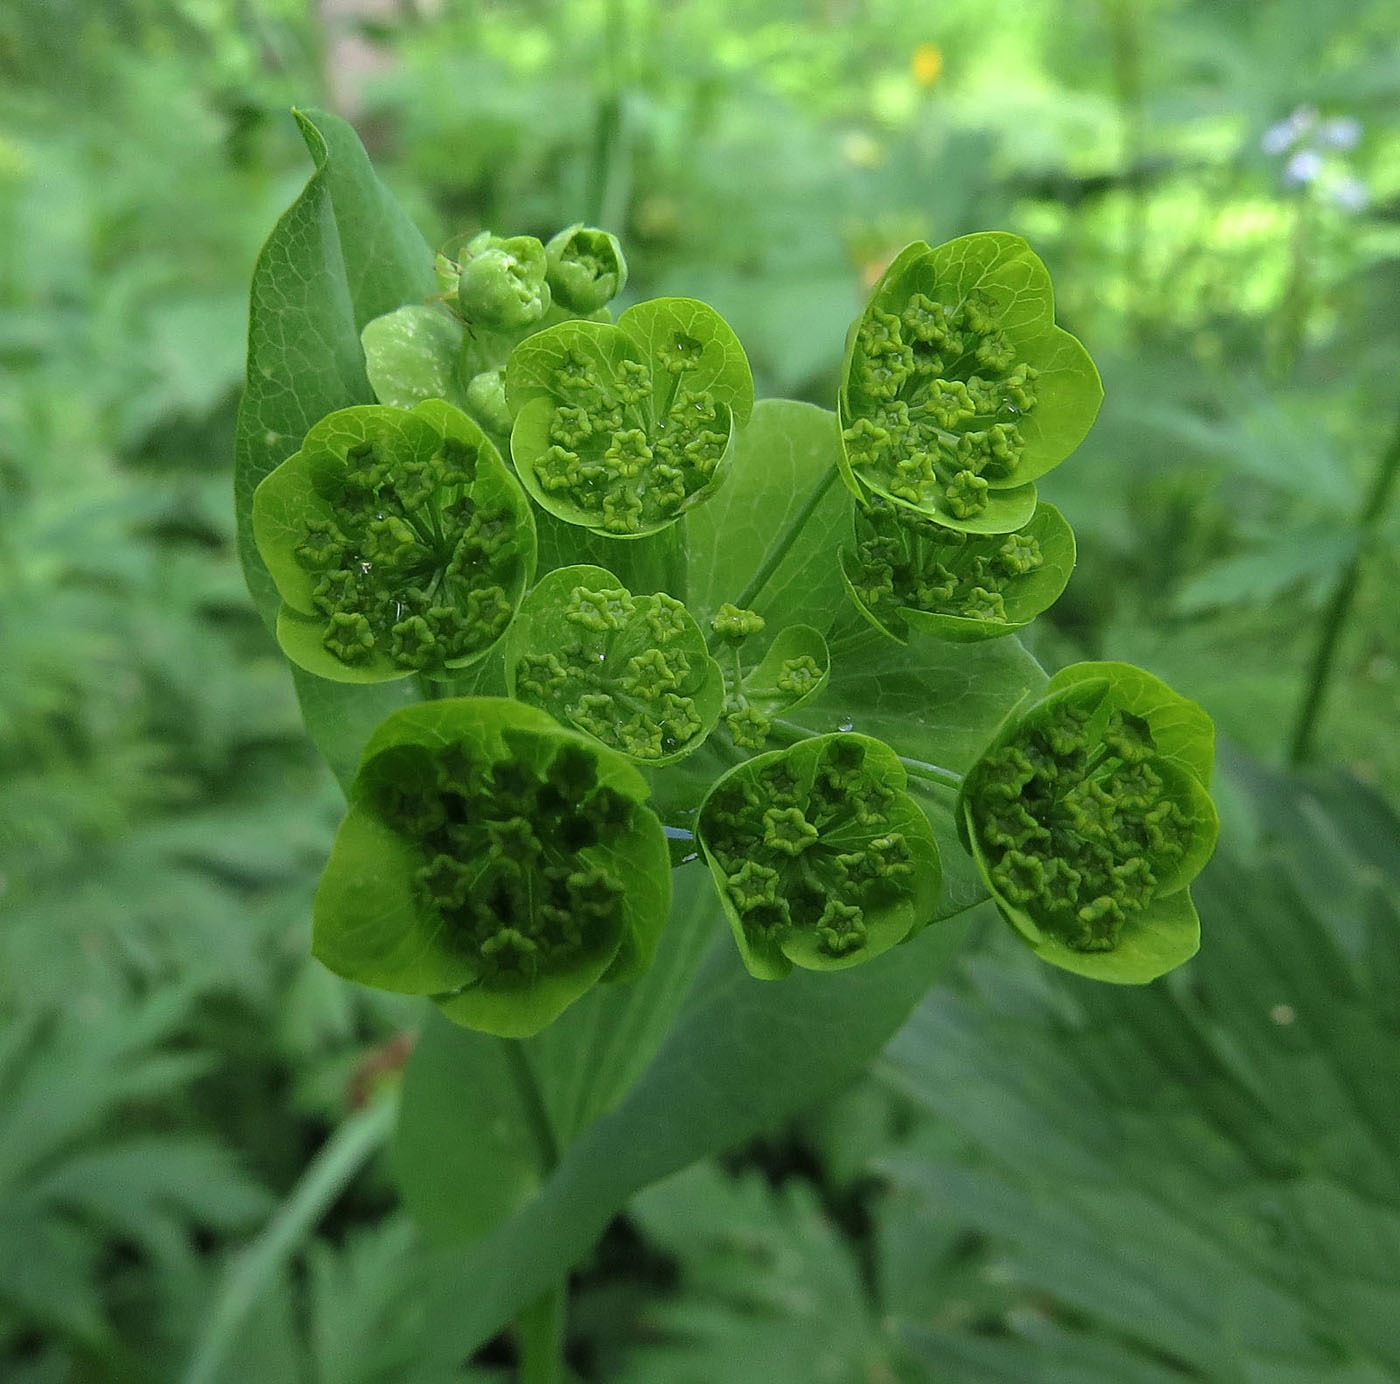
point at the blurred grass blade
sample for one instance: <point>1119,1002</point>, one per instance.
<point>254,1270</point>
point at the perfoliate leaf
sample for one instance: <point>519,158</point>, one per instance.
<point>784,479</point>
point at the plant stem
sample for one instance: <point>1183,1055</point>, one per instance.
<point>1338,611</point>
<point>934,773</point>
<point>527,1087</point>
<point>539,1329</point>
<point>253,1270</point>
<point>539,1332</point>
<point>774,556</point>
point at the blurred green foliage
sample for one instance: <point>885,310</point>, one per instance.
<point>1040,1182</point>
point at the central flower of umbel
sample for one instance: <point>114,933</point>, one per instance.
<point>398,541</point>
<point>495,862</point>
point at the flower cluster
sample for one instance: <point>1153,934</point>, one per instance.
<point>822,860</point>
<point>906,560</point>
<point>627,455</point>
<point>631,671</point>
<point>938,394</point>
<point>500,846</point>
<point>793,669</point>
<point>510,859</point>
<point>399,546</point>
<point>1080,819</point>
<point>623,428</point>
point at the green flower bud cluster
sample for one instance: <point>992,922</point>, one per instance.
<point>492,861</point>
<point>959,390</point>
<point>610,460</point>
<point>1081,820</point>
<point>792,669</point>
<point>906,560</point>
<point>503,282</point>
<point>500,848</point>
<point>622,429</point>
<point>748,726</point>
<point>399,541</point>
<point>632,671</point>
<point>409,564</point>
<point>943,395</point>
<point>821,859</point>
<point>586,268</point>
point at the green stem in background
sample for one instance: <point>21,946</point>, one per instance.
<point>775,555</point>
<point>1297,294</point>
<point>1338,610</point>
<point>610,176</point>
<point>1126,45</point>
<point>539,1329</point>
<point>791,732</point>
<point>252,1273</point>
<point>539,1332</point>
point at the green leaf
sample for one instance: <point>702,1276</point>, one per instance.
<point>465,1157</point>
<point>769,1286</point>
<point>741,1057</point>
<point>342,255</point>
<point>398,541</point>
<point>959,389</point>
<point>631,671</point>
<point>819,857</point>
<point>622,429</point>
<point>493,861</point>
<point>1205,1172</point>
<point>411,354</point>
<point>907,573</point>
<point>781,486</point>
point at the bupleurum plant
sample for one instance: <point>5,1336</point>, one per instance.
<point>678,731</point>
<point>725,653</point>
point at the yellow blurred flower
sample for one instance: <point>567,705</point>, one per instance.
<point>927,64</point>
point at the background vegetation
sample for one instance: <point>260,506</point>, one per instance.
<point>1042,1180</point>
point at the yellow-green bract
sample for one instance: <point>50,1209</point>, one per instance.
<point>820,857</point>
<point>398,542</point>
<point>1089,816</point>
<point>959,390</point>
<point>495,862</point>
